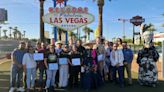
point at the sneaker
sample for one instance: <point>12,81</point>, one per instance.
<point>12,89</point>
<point>21,89</point>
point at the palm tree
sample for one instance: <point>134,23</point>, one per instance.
<point>60,34</point>
<point>72,35</point>
<point>15,32</point>
<point>19,35</point>
<point>24,32</point>
<point>41,20</point>
<point>100,4</point>
<point>4,31</point>
<point>10,32</point>
<point>149,27</point>
<point>87,32</point>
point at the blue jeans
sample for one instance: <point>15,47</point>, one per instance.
<point>120,74</point>
<point>30,77</point>
<point>50,78</point>
<point>16,74</point>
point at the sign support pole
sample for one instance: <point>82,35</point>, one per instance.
<point>66,34</point>
<point>55,28</point>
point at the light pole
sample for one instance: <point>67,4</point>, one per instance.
<point>123,21</point>
<point>100,4</point>
<point>41,20</point>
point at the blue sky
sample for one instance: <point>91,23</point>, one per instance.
<point>25,15</point>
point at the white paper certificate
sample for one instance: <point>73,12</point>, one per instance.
<point>38,56</point>
<point>63,61</point>
<point>76,61</point>
<point>82,69</point>
<point>100,57</point>
<point>53,66</point>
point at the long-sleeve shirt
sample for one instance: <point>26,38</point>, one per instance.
<point>128,55</point>
<point>116,57</point>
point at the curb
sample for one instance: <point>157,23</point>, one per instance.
<point>4,62</point>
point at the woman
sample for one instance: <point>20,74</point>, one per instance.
<point>147,58</point>
<point>63,69</point>
<point>119,42</point>
<point>51,63</point>
<point>75,66</point>
<point>29,66</point>
<point>100,56</point>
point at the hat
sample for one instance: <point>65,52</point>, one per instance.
<point>58,42</point>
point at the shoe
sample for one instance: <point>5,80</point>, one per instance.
<point>21,89</point>
<point>154,85</point>
<point>12,89</point>
<point>28,90</point>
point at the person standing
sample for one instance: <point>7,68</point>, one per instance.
<point>41,48</point>
<point>17,68</point>
<point>63,68</point>
<point>29,66</point>
<point>147,58</point>
<point>117,58</point>
<point>51,59</point>
<point>82,51</point>
<point>74,68</point>
<point>100,56</point>
<point>128,58</point>
<point>58,50</point>
<point>108,49</point>
<point>80,48</point>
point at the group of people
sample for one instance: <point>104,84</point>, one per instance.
<point>65,65</point>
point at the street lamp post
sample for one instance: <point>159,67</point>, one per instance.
<point>41,20</point>
<point>123,21</point>
<point>100,4</point>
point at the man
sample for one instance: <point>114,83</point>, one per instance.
<point>128,58</point>
<point>82,51</point>
<point>117,58</point>
<point>17,68</point>
<point>80,48</point>
<point>58,48</point>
